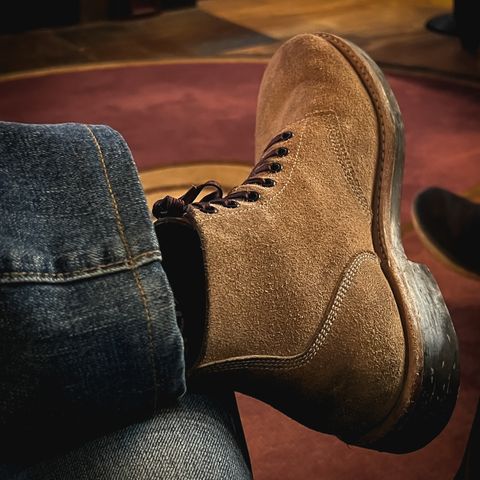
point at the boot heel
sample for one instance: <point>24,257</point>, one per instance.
<point>433,396</point>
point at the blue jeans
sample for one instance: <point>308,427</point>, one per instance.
<point>91,356</point>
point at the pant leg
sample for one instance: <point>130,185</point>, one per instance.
<point>88,334</point>
<point>199,439</point>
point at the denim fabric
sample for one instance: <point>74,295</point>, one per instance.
<point>199,439</point>
<point>88,335</point>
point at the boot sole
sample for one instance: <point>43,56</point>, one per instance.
<point>431,378</point>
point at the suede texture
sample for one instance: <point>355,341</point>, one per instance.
<point>347,379</point>
<point>299,312</point>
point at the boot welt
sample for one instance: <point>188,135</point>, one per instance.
<point>431,377</point>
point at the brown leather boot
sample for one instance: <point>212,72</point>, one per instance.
<point>309,302</point>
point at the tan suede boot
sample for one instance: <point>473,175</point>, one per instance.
<point>310,303</point>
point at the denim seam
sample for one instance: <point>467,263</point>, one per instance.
<point>137,261</point>
<point>141,290</point>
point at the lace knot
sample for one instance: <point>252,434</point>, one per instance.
<point>177,207</point>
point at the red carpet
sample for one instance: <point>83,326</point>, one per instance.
<point>184,113</point>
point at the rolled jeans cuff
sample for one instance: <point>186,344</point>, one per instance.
<point>88,333</point>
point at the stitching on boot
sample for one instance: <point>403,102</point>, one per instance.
<point>338,143</point>
<point>365,76</point>
<point>344,162</point>
<point>138,282</point>
<point>297,361</point>
<point>264,205</point>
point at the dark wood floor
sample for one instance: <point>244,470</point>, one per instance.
<point>392,32</point>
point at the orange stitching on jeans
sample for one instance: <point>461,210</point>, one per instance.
<point>121,231</point>
<point>73,273</point>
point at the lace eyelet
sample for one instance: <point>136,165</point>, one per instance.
<point>269,182</point>
<point>252,196</point>
<point>209,209</point>
<point>287,135</point>
<point>231,204</point>
<point>276,167</point>
<point>282,151</point>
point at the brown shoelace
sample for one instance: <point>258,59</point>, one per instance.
<point>176,207</point>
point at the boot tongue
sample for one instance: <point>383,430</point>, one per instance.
<point>182,261</point>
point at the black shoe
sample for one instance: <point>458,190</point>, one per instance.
<point>449,226</point>
<point>444,24</point>
<point>470,467</point>
<point>464,23</point>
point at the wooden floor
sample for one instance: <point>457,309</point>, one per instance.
<point>391,31</point>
